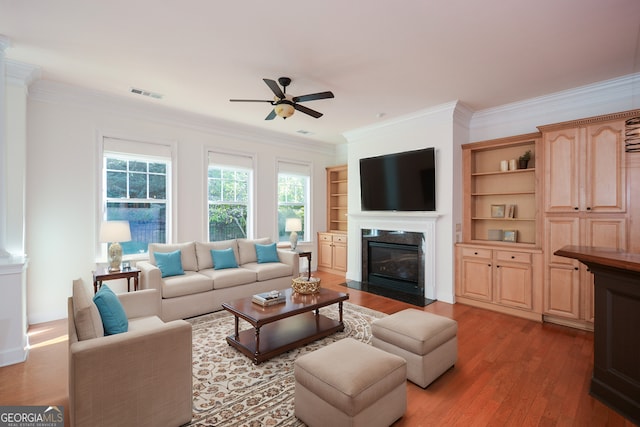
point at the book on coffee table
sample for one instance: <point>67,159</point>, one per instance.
<point>268,298</point>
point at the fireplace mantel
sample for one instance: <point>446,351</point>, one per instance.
<point>419,222</point>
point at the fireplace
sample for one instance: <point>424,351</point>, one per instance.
<point>393,265</point>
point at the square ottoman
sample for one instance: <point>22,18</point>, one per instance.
<point>350,383</point>
<point>427,342</point>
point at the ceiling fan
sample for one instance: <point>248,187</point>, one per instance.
<point>285,105</point>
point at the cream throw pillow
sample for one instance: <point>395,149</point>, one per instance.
<point>85,313</point>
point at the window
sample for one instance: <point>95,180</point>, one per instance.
<point>229,196</point>
<point>137,189</point>
<point>293,197</point>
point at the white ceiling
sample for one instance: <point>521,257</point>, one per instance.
<point>379,57</point>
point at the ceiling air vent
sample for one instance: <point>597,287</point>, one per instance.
<point>146,93</point>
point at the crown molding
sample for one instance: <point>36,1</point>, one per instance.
<point>433,112</point>
<point>619,94</point>
<point>19,73</point>
<point>79,97</point>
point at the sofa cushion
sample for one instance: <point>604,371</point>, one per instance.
<point>187,253</point>
<point>266,253</point>
<point>169,263</point>
<point>145,323</point>
<point>86,316</point>
<point>223,258</point>
<point>203,251</point>
<point>247,249</point>
<point>114,319</point>
<point>269,270</point>
<point>191,282</point>
<point>230,277</point>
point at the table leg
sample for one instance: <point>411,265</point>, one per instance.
<point>237,334</point>
<point>128,284</point>
<point>340,310</point>
<point>135,282</point>
<point>257,342</point>
<point>309,264</point>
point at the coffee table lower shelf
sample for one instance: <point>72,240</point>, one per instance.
<point>283,335</point>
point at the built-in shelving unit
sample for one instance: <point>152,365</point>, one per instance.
<point>492,193</point>
<point>337,199</point>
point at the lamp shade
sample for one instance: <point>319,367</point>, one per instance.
<point>115,231</point>
<point>293,224</point>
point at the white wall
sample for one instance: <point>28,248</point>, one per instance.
<point>62,218</point>
<point>429,128</point>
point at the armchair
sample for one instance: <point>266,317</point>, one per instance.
<point>141,377</point>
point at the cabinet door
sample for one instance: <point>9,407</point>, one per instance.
<point>514,278</point>
<point>325,253</point>
<point>340,256</point>
<point>605,178</point>
<point>476,278</point>
<point>605,233</point>
<point>562,276</point>
<point>562,176</point>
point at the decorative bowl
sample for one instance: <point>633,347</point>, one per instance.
<point>303,285</point>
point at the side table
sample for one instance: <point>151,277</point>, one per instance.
<point>102,274</point>
<point>307,255</point>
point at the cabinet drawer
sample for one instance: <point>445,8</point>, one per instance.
<point>324,237</point>
<point>476,252</point>
<point>513,256</point>
<point>342,238</point>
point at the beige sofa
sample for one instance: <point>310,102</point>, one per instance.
<point>202,288</point>
<point>141,377</point>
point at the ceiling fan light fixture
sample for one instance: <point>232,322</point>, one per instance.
<point>284,109</point>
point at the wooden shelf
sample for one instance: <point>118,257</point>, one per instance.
<point>508,193</point>
<point>503,172</point>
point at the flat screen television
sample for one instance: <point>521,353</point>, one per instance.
<point>399,182</point>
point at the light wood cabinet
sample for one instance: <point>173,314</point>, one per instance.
<point>585,202</point>
<point>337,199</point>
<point>584,168</point>
<point>332,252</point>
<point>499,279</point>
<point>490,191</point>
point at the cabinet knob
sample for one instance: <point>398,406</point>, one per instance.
<point>576,268</point>
<point>497,266</point>
<point>475,253</point>
<point>513,257</point>
<point>575,209</point>
<point>488,265</point>
<point>588,208</point>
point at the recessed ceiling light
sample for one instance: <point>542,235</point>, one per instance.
<point>146,93</point>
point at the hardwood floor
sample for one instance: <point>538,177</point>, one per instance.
<point>510,371</point>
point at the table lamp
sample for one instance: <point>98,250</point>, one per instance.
<point>114,232</point>
<point>293,225</point>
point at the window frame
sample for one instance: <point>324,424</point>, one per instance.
<point>131,148</point>
<point>300,169</point>
<point>231,161</point>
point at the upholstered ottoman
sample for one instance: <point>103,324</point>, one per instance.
<point>427,342</point>
<point>349,383</point>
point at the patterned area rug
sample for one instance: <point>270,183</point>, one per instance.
<point>229,390</point>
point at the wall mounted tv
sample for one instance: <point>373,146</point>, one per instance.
<point>399,182</point>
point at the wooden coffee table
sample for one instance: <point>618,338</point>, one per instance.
<point>283,327</point>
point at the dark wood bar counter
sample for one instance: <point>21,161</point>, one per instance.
<point>616,339</point>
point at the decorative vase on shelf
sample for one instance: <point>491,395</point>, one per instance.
<point>523,161</point>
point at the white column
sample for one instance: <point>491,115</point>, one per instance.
<point>4,44</point>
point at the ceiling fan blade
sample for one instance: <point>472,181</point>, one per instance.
<point>313,96</point>
<point>251,100</point>
<point>309,111</point>
<point>271,116</point>
<point>274,88</point>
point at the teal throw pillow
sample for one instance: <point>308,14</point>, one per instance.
<point>267,253</point>
<point>169,263</point>
<point>114,319</point>
<point>223,258</point>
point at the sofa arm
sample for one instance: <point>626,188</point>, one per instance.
<point>141,303</point>
<point>143,377</point>
<point>150,276</point>
<point>290,258</point>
